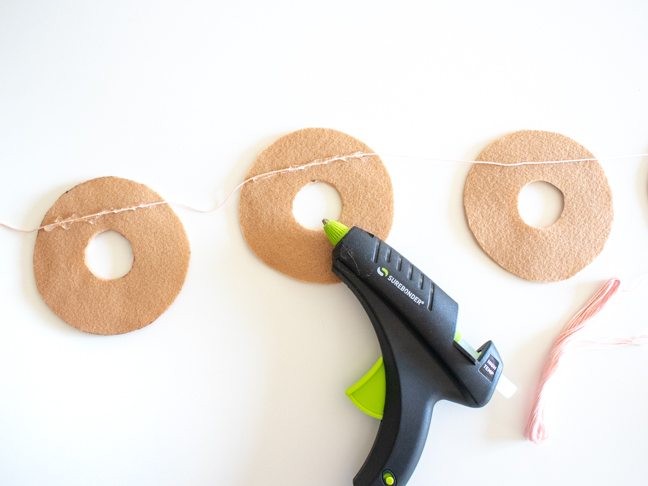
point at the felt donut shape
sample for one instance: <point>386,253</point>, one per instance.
<point>96,305</point>
<point>266,204</point>
<point>491,204</point>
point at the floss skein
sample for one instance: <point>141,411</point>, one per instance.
<point>536,429</point>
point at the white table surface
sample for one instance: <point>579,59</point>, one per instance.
<point>242,380</point>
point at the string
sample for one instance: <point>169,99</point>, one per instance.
<point>536,429</point>
<point>516,164</point>
<point>92,217</point>
<point>358,156</point>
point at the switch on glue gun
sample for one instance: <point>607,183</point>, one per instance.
<point>424,359</point>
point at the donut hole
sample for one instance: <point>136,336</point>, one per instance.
<point>315,202</point>
<point>540,204</point>
<point>109,255</point>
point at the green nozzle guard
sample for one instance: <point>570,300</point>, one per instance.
<point>334,230</point>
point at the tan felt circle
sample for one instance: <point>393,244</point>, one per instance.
<point>491,203</point>
<point>266,205</point>
<point>99,306</point>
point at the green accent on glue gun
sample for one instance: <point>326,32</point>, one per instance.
<point>389,479</point>
<point>334,230</point>
<point>369,393</point>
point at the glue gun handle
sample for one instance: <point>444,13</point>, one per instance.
<point>414,383</point>
<point>398,444</point>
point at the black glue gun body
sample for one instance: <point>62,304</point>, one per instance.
<point>415,323</point>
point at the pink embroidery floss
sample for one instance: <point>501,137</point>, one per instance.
<point>536,429</point>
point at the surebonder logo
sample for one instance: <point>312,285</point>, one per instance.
<point>382,271</point>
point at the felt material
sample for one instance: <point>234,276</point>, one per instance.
<point>265,207</point>
<point>99,306</point>
<point>491,204</point>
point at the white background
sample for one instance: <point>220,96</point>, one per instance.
<point>242,380</point>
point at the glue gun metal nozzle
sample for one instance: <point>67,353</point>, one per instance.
<point>324,221</point>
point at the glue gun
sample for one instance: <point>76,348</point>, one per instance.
<point>424,359</point>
